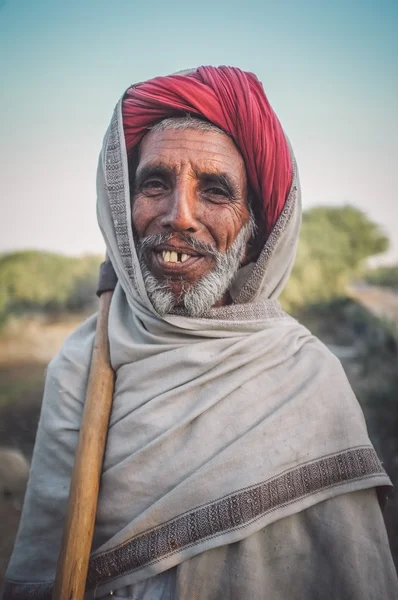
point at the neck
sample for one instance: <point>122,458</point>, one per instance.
<point>224,301</point>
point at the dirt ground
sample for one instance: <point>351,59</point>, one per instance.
<point>368,353</point>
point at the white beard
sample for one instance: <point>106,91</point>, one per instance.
<point>201,296</point>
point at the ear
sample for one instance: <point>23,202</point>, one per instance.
<point>258,239</point>
<point>253,248</point>
<point>133,159</point>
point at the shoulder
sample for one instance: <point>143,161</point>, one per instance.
<point>318,360</point>
<point>66,379</point>
<point>73,360</point>
<point>318,382</point>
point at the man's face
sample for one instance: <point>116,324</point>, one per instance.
<point>190,185</point>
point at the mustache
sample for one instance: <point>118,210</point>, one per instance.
<point>150,242</point>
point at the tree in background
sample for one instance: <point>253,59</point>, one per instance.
<point>335,243</point>
<point>383,276</point>
<point>34,281</point>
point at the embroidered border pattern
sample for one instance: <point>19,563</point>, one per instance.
<point>114,176</point>
<point>256,311</point>
<point>234,511</point>
<point>263,309</point>
<point>249,290</point>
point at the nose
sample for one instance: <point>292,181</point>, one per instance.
<point>182,210</point>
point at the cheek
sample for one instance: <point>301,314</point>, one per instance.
<point>142,214</point>
<point>224,224</point>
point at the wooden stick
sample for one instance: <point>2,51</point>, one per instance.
<point>70,580</point>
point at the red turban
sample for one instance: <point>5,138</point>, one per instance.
<point>234,101</point>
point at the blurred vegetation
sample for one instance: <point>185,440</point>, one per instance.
<point>335,243</point>
<point>383,276</point>
<point>34,281</point>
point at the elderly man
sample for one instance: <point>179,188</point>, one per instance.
<point>237,464</point>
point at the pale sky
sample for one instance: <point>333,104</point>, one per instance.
<point>330,70</point>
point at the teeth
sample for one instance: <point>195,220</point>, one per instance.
<point>172,256</point>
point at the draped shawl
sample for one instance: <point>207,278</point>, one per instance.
<point>220,426</point>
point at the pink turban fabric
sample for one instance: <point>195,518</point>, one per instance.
<point>234,101</point>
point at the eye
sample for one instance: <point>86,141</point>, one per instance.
<point>153,186</point>
<point>217,192</point>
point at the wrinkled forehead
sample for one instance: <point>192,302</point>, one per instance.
<point>191,153</point>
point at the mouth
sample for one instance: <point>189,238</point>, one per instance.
<point>173,259</point>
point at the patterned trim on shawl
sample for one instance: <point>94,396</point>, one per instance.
<point>114,177</point>
<point>234,512</point>
<point>265,309</point>
<point>251,287</point>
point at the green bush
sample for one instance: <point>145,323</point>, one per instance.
<point>46,282</point>
<point>334,245</point>
<point>383,276</point>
